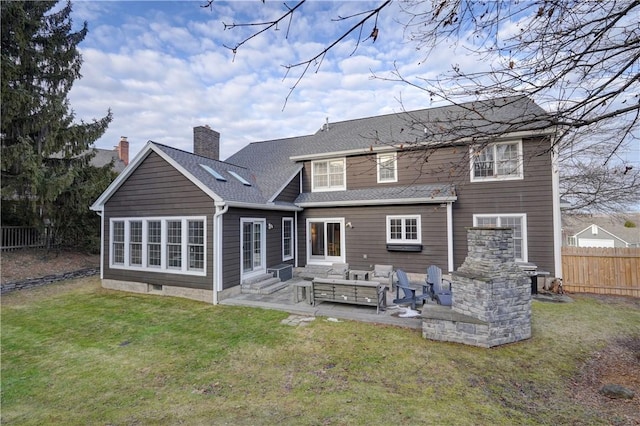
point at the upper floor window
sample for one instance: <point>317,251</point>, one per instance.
<point>328,175</point>
<point>387,167</point>
<point>497,161</point>
<point>404,229</point>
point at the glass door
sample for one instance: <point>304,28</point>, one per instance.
<point>326,240</point>
<point>252,242</point>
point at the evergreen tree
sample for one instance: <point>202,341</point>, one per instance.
<point>45,154</point>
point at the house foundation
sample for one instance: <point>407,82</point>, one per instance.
<point>491,302</point>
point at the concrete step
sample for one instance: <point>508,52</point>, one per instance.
<point>267,286</point>
<point>257,279</point>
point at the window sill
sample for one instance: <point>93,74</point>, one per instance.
<point>405,247</point>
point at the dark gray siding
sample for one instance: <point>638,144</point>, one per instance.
<point>291,191</point>
<point>532,195</point>
<point>368,236</point>
<point>157,189</point>
<point>231,241</point>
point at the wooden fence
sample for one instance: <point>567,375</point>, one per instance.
<point>601,270</point>
<point>16,237</point>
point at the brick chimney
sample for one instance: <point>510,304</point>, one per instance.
<point>123,150</point>
<point>206,142</point>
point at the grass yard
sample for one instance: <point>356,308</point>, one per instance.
<point>76,354</point>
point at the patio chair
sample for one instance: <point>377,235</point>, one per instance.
<point>409,292</point>
<point>439,292</point>
<point>339,271</point>
<point>383,274</point>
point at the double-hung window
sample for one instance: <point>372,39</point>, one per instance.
<point>162,244</point>
<point>328,175</point>
<point>517,222</point>
<point>496,161</point>
<point>404,229</point>
<point>387,167</point>
<point>287,238</point>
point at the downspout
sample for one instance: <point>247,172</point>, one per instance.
<point>295,233</point>
<point>101,244</point>
<point>557,215</point>
<point>221,209</point>
<point>450,236</point>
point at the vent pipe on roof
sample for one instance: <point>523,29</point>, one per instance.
<point>326,126</point>
<point>206,142</point>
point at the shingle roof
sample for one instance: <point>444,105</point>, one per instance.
<point>431,126</point>
<point>383,195</point>
<point>615,224</point>
<point>269,162</point>
<point>231,189</point>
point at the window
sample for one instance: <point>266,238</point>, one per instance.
<point>287,238</point>
<point>497,161</point>
<point>387,168</point>
<point>154,241</point>
<point>328,175</point>
<point>196,245</point>
<point>135,242</point>
<point>171,244</point>
<point>174,244</point>
<point>517,222</point>
<point>118,242</point>
<point>404,229</point>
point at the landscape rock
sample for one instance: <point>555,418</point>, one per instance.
<point>614,391</point>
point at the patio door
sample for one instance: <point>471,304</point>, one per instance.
<point>325,242</point>
<point>252,241</point>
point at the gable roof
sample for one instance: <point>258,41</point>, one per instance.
<point>231,190</point>
<point>433,126</point>
<point>574,224</point>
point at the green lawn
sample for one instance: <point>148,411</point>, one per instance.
<point>77,354</point>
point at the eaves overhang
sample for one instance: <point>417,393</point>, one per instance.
<point>378,202</point>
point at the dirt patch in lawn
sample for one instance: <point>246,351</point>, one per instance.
<point>35,263</point>
<point>617,363</point>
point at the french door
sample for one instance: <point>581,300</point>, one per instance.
<point>252,241</point>
<point>325,240</point>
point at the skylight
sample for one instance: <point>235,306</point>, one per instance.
<point>240,178</point>
<point>213,173</point>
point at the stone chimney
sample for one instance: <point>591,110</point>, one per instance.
<point>206,142</point>
<point>123,150</point>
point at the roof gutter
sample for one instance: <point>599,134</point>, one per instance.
<point>378,202</point>
<point>267,206</point>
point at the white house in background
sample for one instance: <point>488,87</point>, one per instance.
<point>602,230</point>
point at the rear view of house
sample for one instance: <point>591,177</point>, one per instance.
<point>397,189</point>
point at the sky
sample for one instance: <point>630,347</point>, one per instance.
<point>162,68</point>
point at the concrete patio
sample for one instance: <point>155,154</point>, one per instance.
<point>283,300</point>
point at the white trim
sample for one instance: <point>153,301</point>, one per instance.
<point>287,182</point>
<point>450,264</point>
<point>462,141</point>
<point>600,228</point>
<point>288,219</point>
<point>329,188</point>
<point>218,222</point>
<point>163,268</point>
<point>494,178</point>
<point>263,247</point>
<point>378,202</point>
<point>404,240</point>
<point>523,217</point>
<point>328,260</point>
<point>98,205</point>
<point>556,212</point>
<point>394,160</point>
